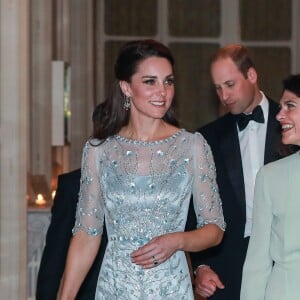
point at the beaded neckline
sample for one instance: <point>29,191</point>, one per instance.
<point>145,143</point>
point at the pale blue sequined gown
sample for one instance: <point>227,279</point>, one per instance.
<point>143,189</point>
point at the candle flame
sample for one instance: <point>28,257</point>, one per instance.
<point>40,200</point>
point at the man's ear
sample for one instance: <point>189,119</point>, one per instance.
<point>125,88</point>
<point>252,75</point>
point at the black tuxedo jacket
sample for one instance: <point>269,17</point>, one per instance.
<point>58,239</point>
<point>227,259</point>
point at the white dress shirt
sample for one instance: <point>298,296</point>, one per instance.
<point>252,144</point>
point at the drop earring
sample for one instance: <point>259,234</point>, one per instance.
<point>126,104</point>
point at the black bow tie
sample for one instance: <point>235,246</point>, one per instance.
<point>243,119</point>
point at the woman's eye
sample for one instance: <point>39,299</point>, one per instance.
<point>169,81</point>
<point>290,105</point>
<point>149,81</point>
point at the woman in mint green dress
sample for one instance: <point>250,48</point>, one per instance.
<point>272,266</point>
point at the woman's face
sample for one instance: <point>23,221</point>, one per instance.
<point>289,118</point>
<point>151,88</point>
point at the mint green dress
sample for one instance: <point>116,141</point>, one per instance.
<point>272,267</point>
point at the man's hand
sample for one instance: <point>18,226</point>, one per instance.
<point>207,281</point>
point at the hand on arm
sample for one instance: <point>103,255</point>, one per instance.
<point>207,281</point>
<point>160,248</point>
<point>157,251</point>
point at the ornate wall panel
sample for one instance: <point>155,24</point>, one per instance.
<point>131,17</point>
<point>273,64</point>
<point>266,20</point>
<point>194,18</point>
<point>196,102</point>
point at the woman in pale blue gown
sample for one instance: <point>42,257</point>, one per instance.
<point>272,266</point>
<point>138,174</point>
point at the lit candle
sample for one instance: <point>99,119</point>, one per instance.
<point>40,200</point>
<point>53,194</point>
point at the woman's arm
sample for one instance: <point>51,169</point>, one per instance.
<point>58,236</point>
<point>206,199</point>
<point>88,225</point>
<point>160,248</point>
<point>258,263</point>
<point>82,252</point>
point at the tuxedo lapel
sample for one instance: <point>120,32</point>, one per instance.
<point>230,147</point>
<point>273,134</point>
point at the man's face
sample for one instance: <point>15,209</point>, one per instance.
<point>235,92</point>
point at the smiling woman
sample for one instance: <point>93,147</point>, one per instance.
<point>138,172</point>
<point>289,115</point>
<point>271,269</point>
<point>151,92</point>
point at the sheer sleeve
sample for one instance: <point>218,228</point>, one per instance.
<point>207,202</point>
<point>90,208</point>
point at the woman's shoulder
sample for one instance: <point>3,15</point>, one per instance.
<point>196,137</point>
<point>196,142</point>
<point>192,134</point>
<point>282,164</point>
<point>94,145</point>
<point>94,142</point>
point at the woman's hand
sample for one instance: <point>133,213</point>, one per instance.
<point>157,251</point>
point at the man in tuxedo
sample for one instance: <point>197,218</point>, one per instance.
<point>59,235</point>
<point>242,141</point>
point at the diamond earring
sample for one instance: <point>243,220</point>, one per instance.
<point>126,104</point>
